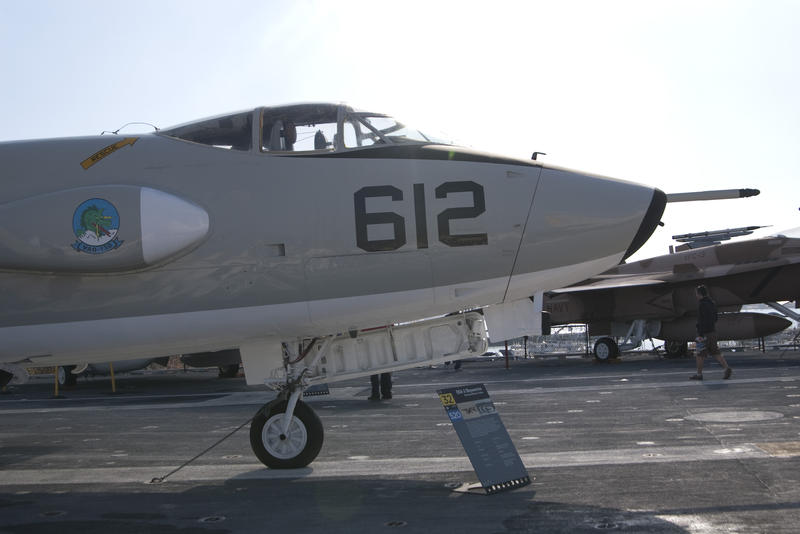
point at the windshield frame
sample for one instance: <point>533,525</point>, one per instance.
<point>273,130</point>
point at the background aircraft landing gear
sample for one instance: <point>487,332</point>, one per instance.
<point>65,376</point>
<point>286,448</point>
<point>229,371</point>
<point>676,349</point>
<point>605,349</point>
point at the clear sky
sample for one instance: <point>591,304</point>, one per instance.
<point>682,95</point>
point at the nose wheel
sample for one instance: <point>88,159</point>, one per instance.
<point>282,446</point>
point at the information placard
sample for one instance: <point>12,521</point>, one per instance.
<point>484,438</point>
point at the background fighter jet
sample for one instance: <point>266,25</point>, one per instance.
<point>655,297</point>
<point>293,234</point>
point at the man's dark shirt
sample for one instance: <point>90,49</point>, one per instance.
<point>706,316</point>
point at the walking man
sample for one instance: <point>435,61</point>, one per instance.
<point>706,334</point>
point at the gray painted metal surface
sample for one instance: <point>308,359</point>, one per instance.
<point>284,230</point>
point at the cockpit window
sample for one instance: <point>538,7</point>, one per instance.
<point>233,132</point>
<point>382,129</point>
<point>328,127</point>
<point>300,128</point>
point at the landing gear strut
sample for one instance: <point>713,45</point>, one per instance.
<point>286,433</point>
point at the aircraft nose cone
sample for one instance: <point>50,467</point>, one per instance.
<point>580,225</point>
<point>649,222</point>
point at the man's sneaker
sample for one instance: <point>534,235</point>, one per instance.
<point>696,377</point>
<point>727,374</point>
<point>374,398</point>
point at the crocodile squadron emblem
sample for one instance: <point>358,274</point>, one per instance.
<point>96,223</point>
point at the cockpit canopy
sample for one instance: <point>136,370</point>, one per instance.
<point>300,128</point>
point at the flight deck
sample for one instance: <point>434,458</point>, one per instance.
<point>632,446</point>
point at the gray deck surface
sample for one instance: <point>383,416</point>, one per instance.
<point>632,446</point>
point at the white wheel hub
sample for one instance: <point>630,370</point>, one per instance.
<point>284,445</point>
<point>603,351</point>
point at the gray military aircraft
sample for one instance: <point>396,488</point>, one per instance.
<point>294,234</point>
<point>655,297</point>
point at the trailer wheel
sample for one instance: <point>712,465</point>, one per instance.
<point>606,348</point>
<point>676,349</point>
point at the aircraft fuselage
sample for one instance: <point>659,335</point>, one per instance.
<point>119,246</point>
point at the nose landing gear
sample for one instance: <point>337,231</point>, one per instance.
<point>284,439</point>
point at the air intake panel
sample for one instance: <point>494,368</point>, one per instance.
<point>103,229</point>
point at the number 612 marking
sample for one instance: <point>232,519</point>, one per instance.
<point>364,219</point>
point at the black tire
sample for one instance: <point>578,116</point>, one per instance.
<point>65,376</point>
<point>605,349</point>
<point>676,349</point>
<point>229,371</point>
<point>278,451</point>
<point>5,378</point>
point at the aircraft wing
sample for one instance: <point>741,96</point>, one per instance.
<point>617,282</point>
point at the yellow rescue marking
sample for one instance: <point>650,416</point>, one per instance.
<point>786,449</point>
<point>447,399</point>
<point>110,149</point>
